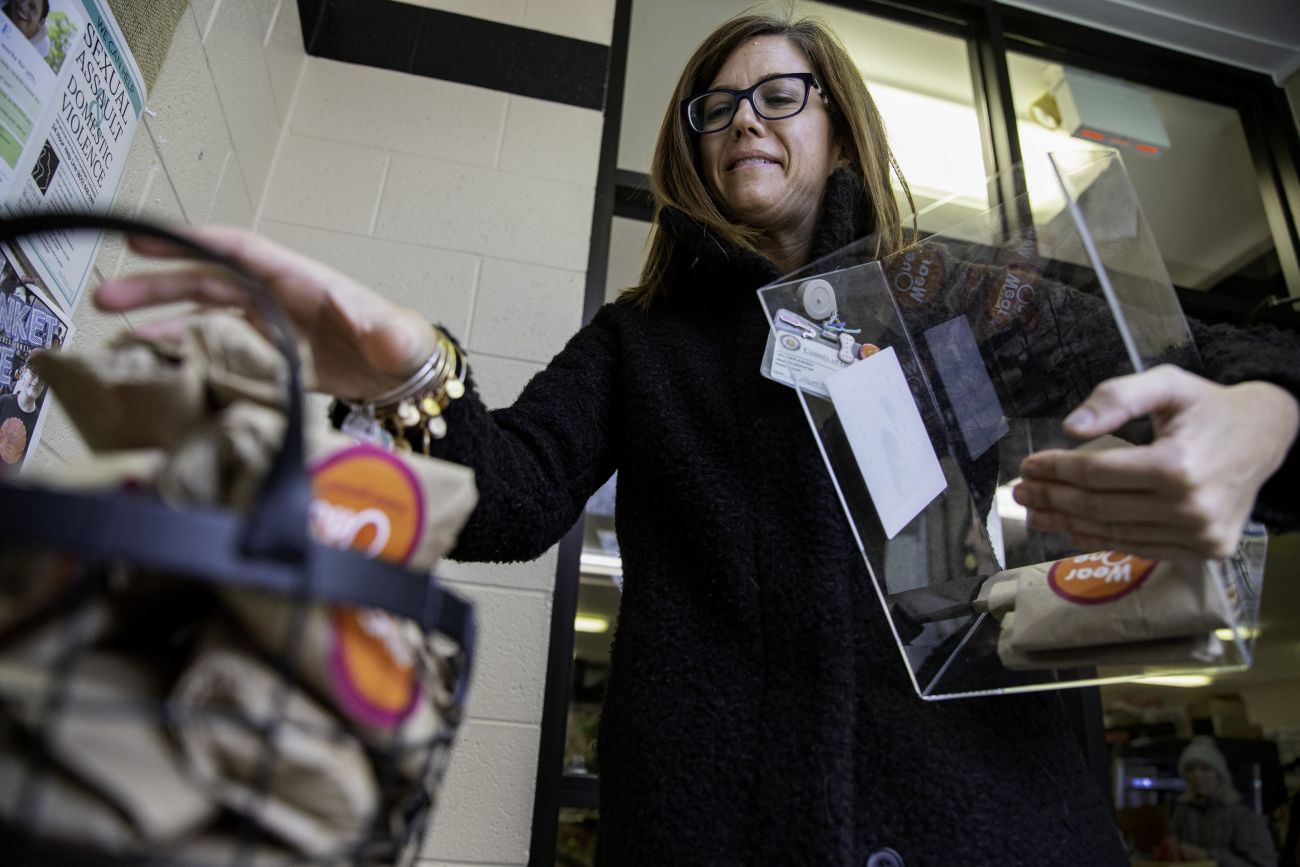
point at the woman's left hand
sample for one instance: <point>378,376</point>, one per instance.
<point>1184,496</point>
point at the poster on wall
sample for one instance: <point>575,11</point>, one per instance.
<point>28,323</point>
<point>71,96</point>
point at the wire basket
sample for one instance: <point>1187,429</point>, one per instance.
<point>114,751</point>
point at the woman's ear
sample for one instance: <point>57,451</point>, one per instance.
<point>842,158</point>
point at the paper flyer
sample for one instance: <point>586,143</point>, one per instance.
<point>28,323</point>
<point>71,96</point>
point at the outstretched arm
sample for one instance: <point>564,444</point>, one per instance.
<point>535,463</point>
<point>361,343</point>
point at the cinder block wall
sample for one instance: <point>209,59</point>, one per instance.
<point>473,206</point>
<point>221,99</point>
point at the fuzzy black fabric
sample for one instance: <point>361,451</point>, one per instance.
<point>757,709</point>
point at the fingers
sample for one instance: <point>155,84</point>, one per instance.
<point>1147,539</point>
<point>1132,522</point>
<point>1135,468</point>
<point>1087,503</point>
<point>260,256</point>
<point>199,284</point>
<point>1149,550</point>
<point>1116,532</point>
<point>1124,398</point>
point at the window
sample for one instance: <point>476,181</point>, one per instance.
<point>1197,184</point>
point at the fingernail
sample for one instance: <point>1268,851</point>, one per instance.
<point>1081,417</point>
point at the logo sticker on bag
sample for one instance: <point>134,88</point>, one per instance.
<point>1093,579</point>
<point>365,499</point>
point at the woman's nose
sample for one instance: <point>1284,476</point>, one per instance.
<point>746,117</point>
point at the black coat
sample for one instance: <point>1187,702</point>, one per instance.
<point>757,709</point>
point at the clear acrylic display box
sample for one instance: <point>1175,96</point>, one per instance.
<point>928,375</point>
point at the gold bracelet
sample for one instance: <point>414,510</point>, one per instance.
<point>416,404</point>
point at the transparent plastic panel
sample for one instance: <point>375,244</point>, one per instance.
<point>1121,249</point>
<point>928,375</point>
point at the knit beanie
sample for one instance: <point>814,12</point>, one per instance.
<point>1202,749</point>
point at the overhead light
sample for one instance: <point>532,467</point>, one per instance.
<point>1245,633</point>
<point>594,563</point>
<point>590,623</point>
<point>924,132</point>
<point>936,142</point>
<point>1183,680</point>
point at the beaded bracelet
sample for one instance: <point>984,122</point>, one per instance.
<point>416,404</point>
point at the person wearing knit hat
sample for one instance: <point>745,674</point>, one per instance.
<point>1209,821</point>
<point>1203,752</point>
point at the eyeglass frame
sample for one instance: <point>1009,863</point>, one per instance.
<point>809,82</point>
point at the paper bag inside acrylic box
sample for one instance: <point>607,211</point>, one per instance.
<point>927,376</point>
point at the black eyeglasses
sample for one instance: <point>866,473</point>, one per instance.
<point>774,98</point>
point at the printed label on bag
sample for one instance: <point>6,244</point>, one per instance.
<point>1013,302</point>
<point>1093,579</point>
<point>915,277</point>
<point>371,668</point>
<point>365,499</point>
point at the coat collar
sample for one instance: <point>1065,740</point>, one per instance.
<point>706,264</point>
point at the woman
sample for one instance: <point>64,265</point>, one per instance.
<point>756,710</point>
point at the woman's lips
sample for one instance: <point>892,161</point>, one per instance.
<point>750,162</point>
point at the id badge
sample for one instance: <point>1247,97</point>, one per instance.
<point>801,353</point>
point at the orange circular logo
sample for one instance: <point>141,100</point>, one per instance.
<point>1092,579</point>
<point>372,668</point>
<point>365,499</point>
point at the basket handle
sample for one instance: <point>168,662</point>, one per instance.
<point>277,524</point>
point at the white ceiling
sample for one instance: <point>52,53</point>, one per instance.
<point>1262,35</point>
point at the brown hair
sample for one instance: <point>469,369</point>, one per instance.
<point>674,168</point>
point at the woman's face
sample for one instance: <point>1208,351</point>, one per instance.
<point>26,14</point>
<point>769,174</point>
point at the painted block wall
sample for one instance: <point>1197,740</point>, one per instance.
<point>474,207</point>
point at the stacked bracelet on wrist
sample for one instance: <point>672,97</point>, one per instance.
<point>415,406</point>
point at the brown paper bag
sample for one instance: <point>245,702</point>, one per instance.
<point>318,793</point>
<point>1204,649</point>
<point>65,810</point>
<point>135,396</point>
<point>104,735</point>
<point>143,393</point>
<point>1107,598</point>
<point>1112,598</point>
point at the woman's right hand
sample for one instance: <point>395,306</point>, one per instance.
<point>361,343</point>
